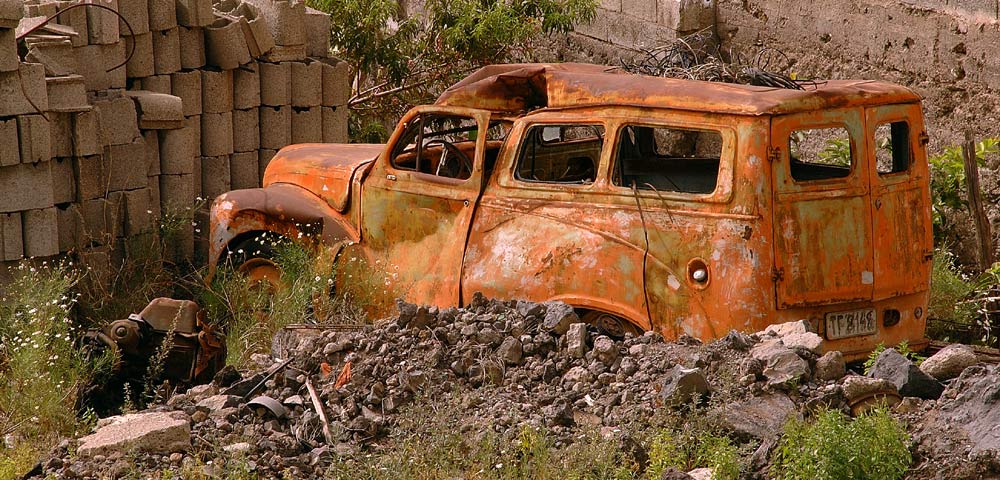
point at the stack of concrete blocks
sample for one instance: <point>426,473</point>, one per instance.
<point>638,24</point>
<point>94,148</point>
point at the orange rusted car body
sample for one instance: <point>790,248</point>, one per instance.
<point>757,246</point>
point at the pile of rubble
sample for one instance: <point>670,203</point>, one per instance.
<point>504,365</point>
<point>114,115</point>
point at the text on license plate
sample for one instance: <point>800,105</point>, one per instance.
<point>851,323</point>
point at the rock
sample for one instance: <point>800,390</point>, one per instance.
<point>558,317</point>
<point>907,405</point>
<point>559,412</point>
<point>857,387</point>
<point>199,392</point>
<point>738,341</point>
<point>576,339</point>
<point>762,418</point>
<point>510,351</point>
<point>806,341</point>
<point>781,364</point>
<point>153,432</point>
<point>702,473</point>
<point>830,366</point>
<point>238,448</point>
<point>949,362</point>
<point>412,381</point>
<point>908,379</point>
<point>530,309</point>
<point>972,404</point>
<point>218,402</point>
<point>783,329</point>
<point>488,336</point>
<point>227,376</point>
<point>683,385</point>
<point>672,473</point>
<point>578,374</point>
<point>605,350</point>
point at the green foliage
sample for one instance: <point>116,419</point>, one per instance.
<point>948,179</point>
<point>670,449</point>
<point>873,446</point>
<point>836,151</point>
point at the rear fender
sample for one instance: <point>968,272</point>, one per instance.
<point>285,209</point>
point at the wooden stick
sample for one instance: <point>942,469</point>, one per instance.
<point>976,202</point>
<point>318,405</point>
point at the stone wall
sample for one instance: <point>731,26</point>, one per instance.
<point>92,157</point>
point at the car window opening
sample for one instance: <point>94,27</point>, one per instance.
<point>668,159</point>
<point>565,154</point>
<point>445,145</point>
<point>892,148</point>
<point>820,154</point>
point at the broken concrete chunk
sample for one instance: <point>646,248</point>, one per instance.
<point>949,362</point>
<point>683,385</point>
<point>153,432</point>
<point>576,340</point>
<point>905,376</point>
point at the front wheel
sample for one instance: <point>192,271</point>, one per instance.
<point>610,325</point>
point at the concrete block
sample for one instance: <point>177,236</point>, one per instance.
<point>55,54</point>
<point>275,127</point>
<point>138,212</point>
<point>642,9</point>
<point>156,84</point>
<point>177,151</point>
<point>60,134</point>
<point>264,157</point>
<point>11,12</point>
<point>25,186</point>
<point>285,53</point>
<point>176,192</point>
<point>8,51</point>
<point>317,26</point>
<point>225,45</point>
<point>246,130</point>
<point>157,111</point>
<point>154,197</point>
<point>91,177</point>
<point>216,91</point>
<point>215,176</point>
<point>246,86</point>
<point>10,149</point>
<point>151,139</point>
<point>275,84</point>
<point>94,62</point>
<point>192,47</point>
<point>256,31</point>
<point>194,13</point>
<point>126,166</point>
<point>335,125</point>
<point>166,51</point>
<point>216,134</point>
<point>11,236</point>
<point>683,16</point>
<point>77,20</point>
<point>196,180</point>
<point>67,94</point>
<point>307,84</point>
<point>118,120</point>
<point>102,25</point>
<point>136,13</point>
<point>63,183</point>
<point>141,62</point>
<point>39,9</point>
<point>70,230</point>
<point>194,124</point>
<point>13,86</point>
<point>34,138</point>
<point>285,18</point>
<point>187,86</point>
<point>244,169</point>
<point>86,133</point>
<point>307,125</point>
<point>162,14</point>
<point>100,219</point>
<point>336,83</point>
<point>41,232</point>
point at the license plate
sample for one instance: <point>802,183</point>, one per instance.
<point>851,323</point>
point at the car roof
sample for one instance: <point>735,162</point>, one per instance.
<point>529,86</point>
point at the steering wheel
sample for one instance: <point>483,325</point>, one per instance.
<point>448,149</point>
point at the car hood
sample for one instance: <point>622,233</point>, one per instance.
<point>322,168</point>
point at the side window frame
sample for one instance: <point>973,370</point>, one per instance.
<point>419,116</point>
<point>909,141</point>
<point>854,145</point>
<point>528,131</point>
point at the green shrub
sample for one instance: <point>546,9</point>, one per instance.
<point>832,446</point>
<point>668,449</point>
<point>948,179</point>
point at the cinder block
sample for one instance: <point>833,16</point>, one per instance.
<point>246,87</point>
<point>138,212</point>
<point>336,84</point>
<point>177,151</point>
<point>176,192</point>
<point>275,127</point>
<point>307,84</point>
<point>86,133</point>
<point>100,219</point>
<point>60,134</point>
<point>192,47</point>
<point>194,124</point>
<point>25,186</point>
<point>317,26</point>
<point>8,51</point>
<point>116,201</point>
<point>683,16</point>
<point>166,51</point>
<point>118,120</point>
<point>157,111</point>
<point>41,232</point>
<point>67,94</point>
<point>102,25</point>
<point>244,170</point>
<point>275,84</point>
<point>11,236</point>
<point>216,91</point>
<point>187,86</point>
<point>91,177</point>
<point>141,63</point>
<point>29,79</point>
<point>11,12</point>
<point>162,14</point>
<point>94,62</point>
<point>216,134</point>
<point>151,138</point>
<point>156,84</point>
<point>264,157</point>
<point>126,166</point>
<point>70,230</point>
<point>258,35</point>
<point>77,20</point>
<point>194,13</point>
<point>307,125</point>
<point>285,18</point>
<point>35,137</point>
<point>55,54</point>
<point>215,176</point>
<point>246,130</point>
<point>335,125</point>
<point>63,183</point>
<point>10,149</point>
<point>37,9</point>
<point>285,53</point>
<point>225,44</point>
<point>154,196</point>
<point>196,180</point>
<point>136,13</point>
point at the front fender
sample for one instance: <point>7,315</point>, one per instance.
<point>281,208</point>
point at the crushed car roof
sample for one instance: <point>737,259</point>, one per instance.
<point>526,87</point>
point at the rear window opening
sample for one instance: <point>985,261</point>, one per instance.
<point>892,148</point>
<point>820,154</point>
<point>668,159</point>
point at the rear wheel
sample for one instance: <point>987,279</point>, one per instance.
<point>254,257</point>
<point>611,325</point>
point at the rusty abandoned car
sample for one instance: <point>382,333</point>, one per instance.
<point>678,206</point>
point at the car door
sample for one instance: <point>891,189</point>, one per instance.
<point>418,200</point>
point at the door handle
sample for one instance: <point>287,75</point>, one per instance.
<point>390,177</point>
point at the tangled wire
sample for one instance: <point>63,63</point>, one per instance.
<point>700,57</point>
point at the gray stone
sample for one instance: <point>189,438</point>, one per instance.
<point>153,432</point>
<point>762,418</point>
<point>972,404</point>
<point>830,366</point>
<point>949,362</point>
<point>510,351</point>
<point>576,340</point>
<point>558,317</point>
<point>781,364</point>
<point>782,329</point>
<point>806,341</point>
<point>907,377</point>
<point>218,402</point>
<point>527,309</point>
<point>856,387</point>
<point>683,385</point>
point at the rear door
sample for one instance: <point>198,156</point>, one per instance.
<point>822,212</point>
<point>900,203</point>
